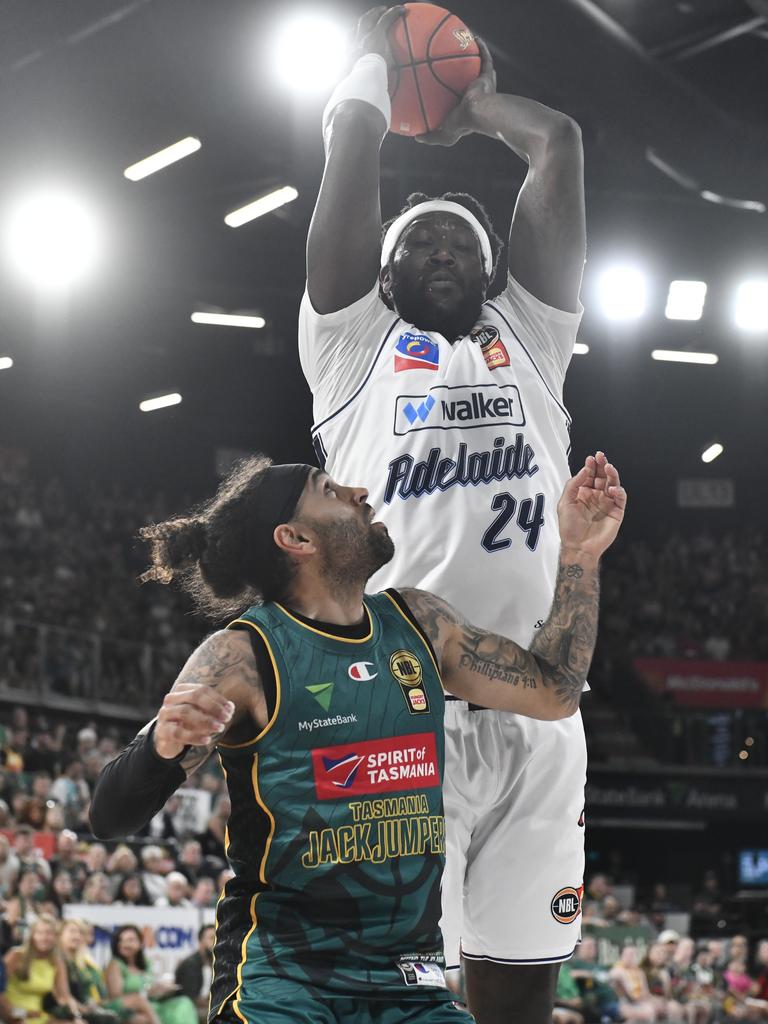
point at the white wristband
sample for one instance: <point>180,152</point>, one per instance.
<point>367,81</point>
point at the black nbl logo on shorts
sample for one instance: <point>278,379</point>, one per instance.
<point>566,905</point>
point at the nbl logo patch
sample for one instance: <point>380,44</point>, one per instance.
<point>416,352</point>
<point>406,668</point>
<point>493,348</point>
<point>566,904</point>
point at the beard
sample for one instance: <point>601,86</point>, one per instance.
<point>452,319</point>
<point>352,552</point>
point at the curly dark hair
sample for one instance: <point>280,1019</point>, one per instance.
<point>212,552</point>
<point>114,943</point>
<point>463,199</point>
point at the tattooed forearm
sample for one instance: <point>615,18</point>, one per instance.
<point>493,657</point>
<point>565,643</point>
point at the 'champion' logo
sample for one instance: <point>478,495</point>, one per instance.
<point>360,671</point>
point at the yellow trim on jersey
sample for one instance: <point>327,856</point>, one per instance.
<point>216,917</point>
<point>420,635</point>
<point>278,688</point>
<point>243,958</point>
<point>263,806</point>
<point>331,636</point>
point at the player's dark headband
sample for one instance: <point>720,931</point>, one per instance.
<point>279,491</point>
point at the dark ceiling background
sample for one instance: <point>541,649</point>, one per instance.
<point>673,100</point>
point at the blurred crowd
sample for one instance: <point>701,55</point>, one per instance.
<point>689,596</point>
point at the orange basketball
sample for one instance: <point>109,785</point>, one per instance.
<point>436,58</point>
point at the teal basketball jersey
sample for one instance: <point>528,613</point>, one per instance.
<point>336,833</point>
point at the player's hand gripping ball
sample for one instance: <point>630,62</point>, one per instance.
<point>435,57</point>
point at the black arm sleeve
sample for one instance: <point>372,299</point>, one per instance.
<point>131,789</point>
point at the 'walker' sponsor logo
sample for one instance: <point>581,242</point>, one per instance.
<point>324,723</point>
<point>376,766</point>
<point>408,478</point>
<point>459,408</point>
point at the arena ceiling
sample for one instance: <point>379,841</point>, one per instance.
<point>671,97</point>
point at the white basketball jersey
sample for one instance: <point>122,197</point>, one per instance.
<point>463,447</point>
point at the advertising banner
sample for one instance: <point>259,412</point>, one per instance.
<point>169,933</point>
<point>707,684</point>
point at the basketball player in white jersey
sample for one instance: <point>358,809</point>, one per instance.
<point>449,409</point>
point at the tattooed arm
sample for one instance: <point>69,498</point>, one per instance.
<point>217,695</point>
<point>546,681</point>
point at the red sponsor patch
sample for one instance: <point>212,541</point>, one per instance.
<point>376,766</point>
<point>412,364</point>
<point>496,355</point>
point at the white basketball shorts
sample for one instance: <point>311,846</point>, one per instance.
<point>514,808</point>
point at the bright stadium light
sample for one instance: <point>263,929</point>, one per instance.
<point>580,349</point>
<point>266,204</point>
<point>685,300</point>
<point>228,320</point>
<point>309,53</point>
<point>52,239</point>
<point>161,402</point>
<point>165,157</point>
<point>623,292</point>
<point>711,453</point>
<point>666,355</point>
<point>751,312</point>
<point>5,362</point>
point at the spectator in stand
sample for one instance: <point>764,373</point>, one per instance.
<point>6,1010</point>
<point>193,974</point>
<point>741,1000</point>
<point>96,858</point>
<point>54,819</point>
<point>212,840</point>
<point>155,869</point>
<point>24,907</point>
<point>193,864</point>
<point>67,859</point>
<point>72,793</point>
<point>631,987</point>
<point>761,966</point>
<point>84,979</point>
<point>176,891</point>
<point>9,867</point>
<point>601,1003</point>
<point>62,890</point>
<point>28,855</point>
<point>131,892</point>
<point>97,889</point>
<point>35,973</point>
<point>122,861</point>
<point>568,1002</point>
<point>204,893</point>
<point>130,984</point>
<point>708,903</point>
<point>660,983</point>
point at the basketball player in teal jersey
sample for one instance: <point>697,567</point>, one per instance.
<point>326,709</point>
<point>448,407</point>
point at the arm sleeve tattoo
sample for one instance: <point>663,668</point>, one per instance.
<point>559,656</point>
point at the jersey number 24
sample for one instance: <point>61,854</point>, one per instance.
<point>530,519</point>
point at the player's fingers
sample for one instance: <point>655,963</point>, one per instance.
<point>389,17</point>
<point>612,475</point>
<point>486,60</point>
<point>208,695</point>
<point>213,710</point>
<point>619,496</point>
<point>571,489</point>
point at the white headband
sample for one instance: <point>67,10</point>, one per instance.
<point>399,225</point>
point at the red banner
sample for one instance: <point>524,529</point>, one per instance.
<point>708,684</point>
<point>376,766</point>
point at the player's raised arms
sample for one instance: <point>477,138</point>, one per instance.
<point>545,681</point>
<point>344,241</point>
<point>548,235</point>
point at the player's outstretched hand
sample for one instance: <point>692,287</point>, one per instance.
<point>192,714</point>
<point>592,507</point>
<point>461,120</point>
<point>372,32</point>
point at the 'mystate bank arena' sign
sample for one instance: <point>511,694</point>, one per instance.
<point>707,684</point>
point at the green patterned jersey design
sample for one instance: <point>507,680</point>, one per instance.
<point>336,833</point>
